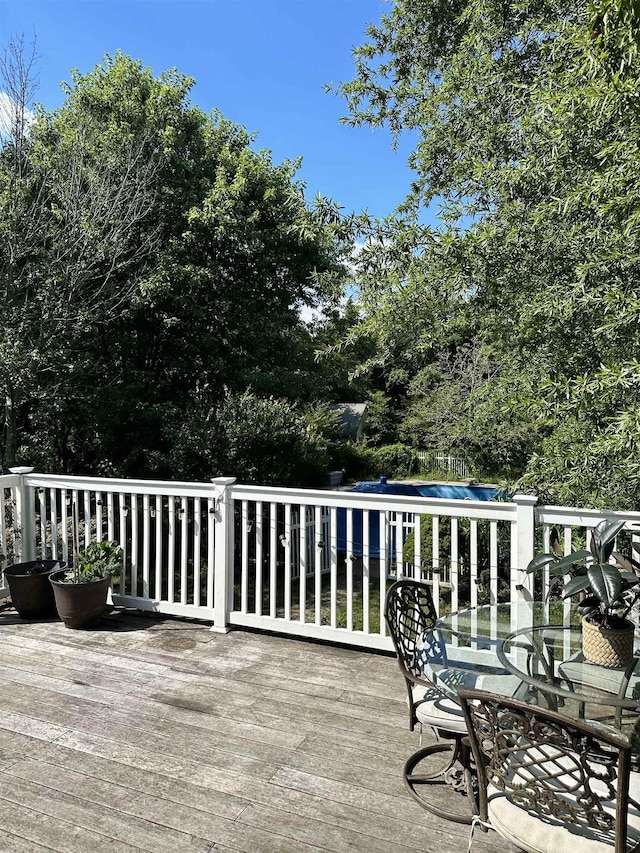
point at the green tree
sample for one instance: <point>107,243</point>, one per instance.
<point>464,405</point>
<point>527,131</point>
<point>75,233</point>
<point>338,358</point>
<point>380,426</point>
<point>216,305</point>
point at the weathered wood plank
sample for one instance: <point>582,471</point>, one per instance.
<point>53,833</point>
<point>312,830</point>
<point>142,728</point>
<point>155,734</point>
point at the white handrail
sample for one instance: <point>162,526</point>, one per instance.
<point>309,562</point>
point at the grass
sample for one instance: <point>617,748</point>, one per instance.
<point>325,599</point>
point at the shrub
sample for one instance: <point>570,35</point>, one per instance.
<point>393,460</point>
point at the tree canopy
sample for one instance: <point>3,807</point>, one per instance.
<point>155,263</point>
<point>527,133</point>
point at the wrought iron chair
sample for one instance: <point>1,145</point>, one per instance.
<point>411,616</point>
<point>550,784</point>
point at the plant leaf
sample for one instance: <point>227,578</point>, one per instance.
<point>570,559</point>
<point>562,570</point>
<point>588,605</point>
<point>540,561</point>
<point>626,563</point>
<point>606,582</point>
<point>603,537</point>
<point>554,541</point>
<point>577,584</point>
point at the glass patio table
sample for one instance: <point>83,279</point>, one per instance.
<point>461,650</point>
<point>550,660</point>
<point>514,649</point>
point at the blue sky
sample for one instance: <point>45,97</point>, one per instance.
<point>263,63</point>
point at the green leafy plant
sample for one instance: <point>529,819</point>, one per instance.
<point>97,561</point>
<point>613,588</point>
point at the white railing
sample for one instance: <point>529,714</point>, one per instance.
<point>167,531</point>
<point>442,462</point>
<point>352,544</point>
<point>574,528</point>
<point>11,525</point>
<point>307,562</point>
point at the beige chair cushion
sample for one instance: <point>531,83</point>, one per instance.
<point>578,671</point>
<point>535,833</point>
<point>438,711</point>
<point>441,712</point>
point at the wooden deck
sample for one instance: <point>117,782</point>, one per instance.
<point>158,735</point>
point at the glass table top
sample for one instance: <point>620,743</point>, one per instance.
<point>514,649</point>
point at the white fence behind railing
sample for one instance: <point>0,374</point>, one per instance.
<point>306,562</point>
<point>443,463</point>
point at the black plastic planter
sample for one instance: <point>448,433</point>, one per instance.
<point>31,592</point>
<point>80,605</point>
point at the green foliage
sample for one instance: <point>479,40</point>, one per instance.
<point>96,561</point>
<point>555,477</point>
<point>392,460</point>
<point>443,556</point>
<point>138,301</point>
<point>256,439</point>
<point>338,358</point>
<point>361,462</point>
<point>615,32</point>
<point>462,404</point>
<point>380,425</point>
<point>526,127</point>
<point>395,461</point>
<point>75,230</point>
<point>426,543</point>
<point>613,592</point>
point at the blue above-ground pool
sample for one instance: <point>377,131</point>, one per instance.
<point>382,487</point>
<point>458,492</point>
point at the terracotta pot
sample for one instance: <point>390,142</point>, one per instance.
<point>612,647</point>
<point>80,605</point>
<point>31,592</point>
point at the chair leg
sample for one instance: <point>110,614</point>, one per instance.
<point>470,775</point>
<point>456,776</point>
<point>475,821</point>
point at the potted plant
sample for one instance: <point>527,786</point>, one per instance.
<point>81,593</point>
<point>611,590</point>
<point>31,592</point>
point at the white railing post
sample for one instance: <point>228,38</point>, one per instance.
<point>223,552</point>
<point>522,549</point>
<point>24,519</point>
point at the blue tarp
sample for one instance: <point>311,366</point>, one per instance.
<point>387,488</point>
<point>461,493</point>
<point>439,490</point>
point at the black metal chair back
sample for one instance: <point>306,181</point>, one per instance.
<point>571,775</point>
<point>410,612</point>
